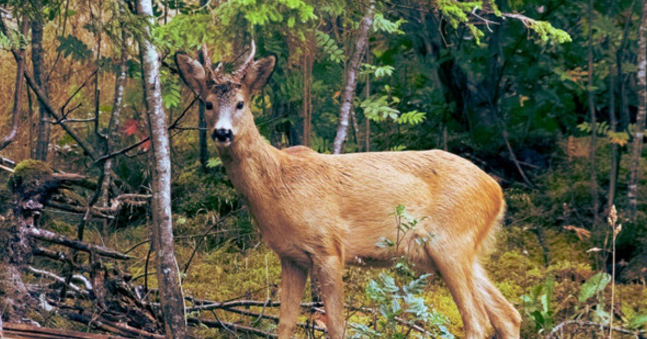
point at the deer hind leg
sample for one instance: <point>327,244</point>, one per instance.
<point>503,316</point>
<point>457,270</point>
<point>328,270</point>
<point>293,281</point>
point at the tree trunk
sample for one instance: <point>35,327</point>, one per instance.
<point>637,146</point>
<point>351,78</point>
<point>592,121</point>
<point>613,119</point>
<point>613,174</point>
<point>17,97</point>
<point>37,59</point>
<point>202,122</point>
<point>171,299</point>
<point>113,127</point>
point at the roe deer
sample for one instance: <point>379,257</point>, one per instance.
<point>319,211</point>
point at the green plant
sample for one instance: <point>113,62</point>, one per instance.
<point>537,305</point>
<point>400,307</point>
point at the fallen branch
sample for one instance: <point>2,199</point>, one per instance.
<point>272,318</point>
<point>59,256</point>
<point>558,328</point>
<point>78,209</point>
<point>214,305</point>
<point>232,327</point>
<point>109,326</point>
<point>24,331</point>
<point>46,235</point>
<point>43,273</point>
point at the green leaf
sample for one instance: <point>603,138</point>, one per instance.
<point>214,162</point>
<point>638,321</point>
<point>594,285</point>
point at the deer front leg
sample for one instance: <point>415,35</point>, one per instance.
<point>329,273</point>
<point>293,281</point>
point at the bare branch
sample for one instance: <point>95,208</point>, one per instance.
<point>46,235</point>
<point>557,329</point>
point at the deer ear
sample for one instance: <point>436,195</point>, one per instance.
<point>258,75</point>
<point>192,72</point>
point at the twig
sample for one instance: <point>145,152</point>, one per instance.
<point>5,161</point>
<point>5,168</point>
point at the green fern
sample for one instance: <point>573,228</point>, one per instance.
<point>329,47</point>
<point>411,118</point>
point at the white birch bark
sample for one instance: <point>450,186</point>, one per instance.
<point>171,299</point>
<point>351,78</point>
<point>639,134</point>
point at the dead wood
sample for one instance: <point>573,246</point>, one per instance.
<point>232,327</point>
<point>46,235</point>
<point>24,331</point>
<point>101,323</point>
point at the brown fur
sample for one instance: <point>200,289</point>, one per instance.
<point>319,212</point>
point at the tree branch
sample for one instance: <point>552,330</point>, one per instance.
<point>46,235</point>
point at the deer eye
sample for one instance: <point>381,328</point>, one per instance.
<point>240,105</point>
<point>208,106</point>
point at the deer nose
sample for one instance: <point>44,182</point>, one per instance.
<point>222,135</point>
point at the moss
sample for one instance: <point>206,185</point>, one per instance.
<point>567,247</point>
<point>28,174</point>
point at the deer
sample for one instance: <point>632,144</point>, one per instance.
<point>320,212</point>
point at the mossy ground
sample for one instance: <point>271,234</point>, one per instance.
<point>226,273</point>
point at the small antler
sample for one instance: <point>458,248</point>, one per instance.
<point>240,72</point>
<point>205,57</point>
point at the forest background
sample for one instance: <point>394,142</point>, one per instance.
<point>548,97</point>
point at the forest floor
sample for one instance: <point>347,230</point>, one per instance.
<point>544,295</point>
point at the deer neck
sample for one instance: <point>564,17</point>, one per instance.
<point>253,166</point>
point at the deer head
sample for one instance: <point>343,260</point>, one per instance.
<point>226,96</point>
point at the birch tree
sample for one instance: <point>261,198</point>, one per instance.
<point>351,78</point>
<point>640,118</point>
<point>171,299</point>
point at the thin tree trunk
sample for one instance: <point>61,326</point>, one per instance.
<point>624,112</point>
<point>171,299</point>
<point>613,174</point>
<point>351,78</point>
<point>97,76</point>
<point>367,122</point>
<point>307,120</point>
<point>592,121</point>
<point>17,96</point>
<point>113,127</point>
<point>637,146</point>
<point>202,122</point>
<point>37,58</point>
